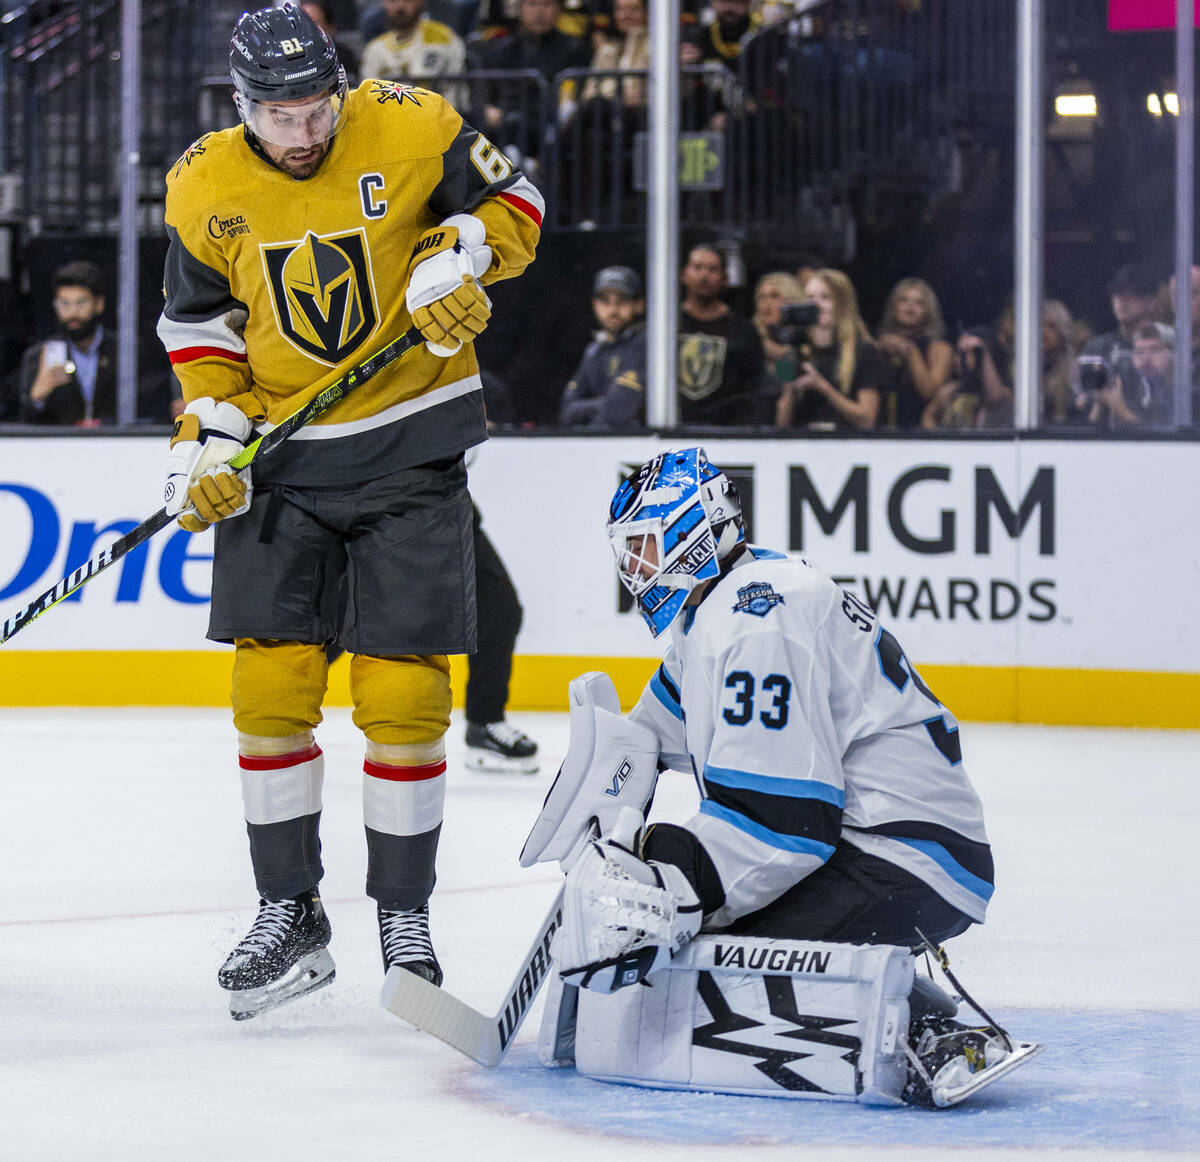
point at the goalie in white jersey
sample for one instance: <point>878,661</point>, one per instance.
<point>834,806</point>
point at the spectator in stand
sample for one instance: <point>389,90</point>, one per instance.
<point>1133,295</point>
<point>582,18</point>
<point>1142,389</point>
<point>608,388</point>
<point>841,384</point>
<point>71,377</point>
<point>772,293</point>
<point>600,132</point>
<point>416,48</point>
<point>538,44</point>
<point>1060,400</point>
<point>912,337</point>
<point>326,19</point>
<point>625,46</point>
<point>461,16</point>
<point>720,365</point>
<point>723,38</point>
<point>978,395</point>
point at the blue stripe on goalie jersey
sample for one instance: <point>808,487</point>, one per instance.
<point>972,854</point>
<point>775,785</point>
<point>664,690</point>
<point>795,843</point>
<point>814,819</point>
<point>949,865</point>
<point>766,554</point>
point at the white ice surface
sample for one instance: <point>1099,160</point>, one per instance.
<point>125,882</point>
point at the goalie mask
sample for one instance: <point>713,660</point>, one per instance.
<point>671,524</point>
<point>289,88</point>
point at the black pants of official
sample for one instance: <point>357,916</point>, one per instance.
<point>498,616</point>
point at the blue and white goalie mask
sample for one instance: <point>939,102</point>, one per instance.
<point>671,523</point>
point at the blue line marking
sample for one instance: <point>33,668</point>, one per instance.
<point>775,785</point>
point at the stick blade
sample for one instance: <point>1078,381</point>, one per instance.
<point>415,1000</point>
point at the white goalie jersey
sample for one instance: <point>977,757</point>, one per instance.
<point>806,725</point>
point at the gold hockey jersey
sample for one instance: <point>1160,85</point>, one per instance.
<point>276,287</point>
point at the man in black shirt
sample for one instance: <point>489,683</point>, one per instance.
<point>720,355</point>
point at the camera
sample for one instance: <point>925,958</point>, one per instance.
<point>794,323</point>
<point>1095,374</point>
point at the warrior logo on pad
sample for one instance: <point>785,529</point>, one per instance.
<point>322,293</point>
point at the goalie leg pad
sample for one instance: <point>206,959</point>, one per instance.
<point>611,763</point>
<point>785,1018</point>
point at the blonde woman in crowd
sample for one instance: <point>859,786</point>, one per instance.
<point>841,383</point>
<point>772,293</point>
<point>912,336</point>
<point>1058,364</point>
<point>628,49</point>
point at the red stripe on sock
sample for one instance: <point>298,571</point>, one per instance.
<point>404,774</point>
<point>277,762</point>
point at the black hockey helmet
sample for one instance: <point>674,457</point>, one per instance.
<point>282,54</point>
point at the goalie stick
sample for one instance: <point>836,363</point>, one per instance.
<point>479,1036</point>
<point>264,445</point>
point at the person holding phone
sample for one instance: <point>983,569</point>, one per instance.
<point>70,379</point>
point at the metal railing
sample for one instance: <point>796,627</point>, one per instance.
<point>60,92</point>
<point>850,101</point>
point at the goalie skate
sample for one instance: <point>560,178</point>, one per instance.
<point>952,1061</point>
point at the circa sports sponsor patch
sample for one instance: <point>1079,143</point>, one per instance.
<point>757,598</point>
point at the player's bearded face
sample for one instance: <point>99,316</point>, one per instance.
<point>295,135</point>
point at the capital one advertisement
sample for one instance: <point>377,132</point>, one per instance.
<point>1059,556</point>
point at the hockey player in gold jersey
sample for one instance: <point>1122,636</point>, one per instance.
<point>301,242</point>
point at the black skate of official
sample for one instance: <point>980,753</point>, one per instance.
<point>501,748</point>
<point>406,944</point>
<point>284,956</point>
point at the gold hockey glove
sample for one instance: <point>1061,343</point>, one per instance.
<point>444,296</point>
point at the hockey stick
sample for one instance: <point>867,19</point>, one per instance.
<point>263,446</point>
<point>481,1037</point>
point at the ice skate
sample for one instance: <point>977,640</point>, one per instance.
<point>949,1061</point>
<point>405,942</point>
<point>283,957</point>
<point>501,748</point>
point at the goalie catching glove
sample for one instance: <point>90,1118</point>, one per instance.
<point>623,918</point>
<point>447,303</point>
<point>201,487</point>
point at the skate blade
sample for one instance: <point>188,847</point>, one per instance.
<point>308,974</point>
<point>950,1095</point>
<point>496,764</point>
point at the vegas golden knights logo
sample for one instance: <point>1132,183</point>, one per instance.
<point>322,293</point>
<point>701,364</point>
